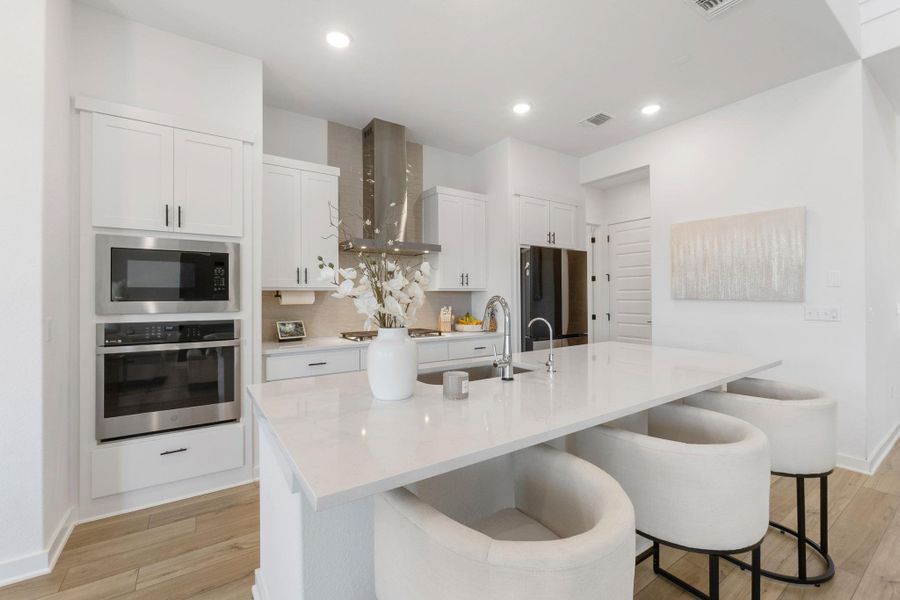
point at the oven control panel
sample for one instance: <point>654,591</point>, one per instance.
<point>166,332</point>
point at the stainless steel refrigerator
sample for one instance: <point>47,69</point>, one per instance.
<point>554,286</point>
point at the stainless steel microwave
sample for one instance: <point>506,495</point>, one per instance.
<point>149,275</point>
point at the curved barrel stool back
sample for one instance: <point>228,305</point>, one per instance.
<point>801,424</point>
<point>537,524</point>
<point>689,472</point>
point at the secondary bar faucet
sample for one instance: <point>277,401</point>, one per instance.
<point>549,362</point>
<point>505,362</point>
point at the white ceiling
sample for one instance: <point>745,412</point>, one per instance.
<point>450,70</point>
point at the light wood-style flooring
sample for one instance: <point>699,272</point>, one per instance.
<point>206,548</point>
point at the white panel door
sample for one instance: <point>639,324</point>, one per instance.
<point>450,224</point>
<point>534,221</point>
<point>208,184</point>
<point>563,222</point>
<point>131,174</point>
<point>629,287</point>
<point>318,197</point>
<point>280,227</point>
<point>474,251</point>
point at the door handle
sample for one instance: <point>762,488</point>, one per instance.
<point>167,215</point>
<point>179,216</point>
<point>298,275</point>
<point>318,364</point>
<point>467,279</point>
<point>461,279</point>
<point>305,275</point>
<point>548,237</point>
<point>481,347</point>
<point>168,452</point>
<point>554,237</point>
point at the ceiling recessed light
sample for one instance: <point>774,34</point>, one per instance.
<point>521,108</point>
<point>338,39</point>
<point>651,109</point>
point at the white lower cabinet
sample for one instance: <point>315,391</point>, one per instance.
<point>129,465</point>
<point>310,364</point>
<point>474,348</point>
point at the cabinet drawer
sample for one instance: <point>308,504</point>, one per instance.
<point>137,464</point>
<point>432,352</point>
<point>310,364</point>
<point>475,347</point>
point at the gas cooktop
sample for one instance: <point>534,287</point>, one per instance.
<point>361,336</point>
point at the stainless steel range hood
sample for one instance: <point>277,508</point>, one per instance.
<point>385,201</point>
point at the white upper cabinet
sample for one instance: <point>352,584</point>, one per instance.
<point>455,219</point>
<point>208,184</point>
<point>131,174</point>
<point>300,202</point>
<point>563,220</point>
<point>158,178</point>
<point>534,221</point>
<point>547,223</point>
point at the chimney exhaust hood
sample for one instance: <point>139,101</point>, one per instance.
<point>385,201</point>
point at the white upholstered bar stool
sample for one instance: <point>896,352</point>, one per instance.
<point>536,524</point>
<point>801,424</point>
<point>699,481</point>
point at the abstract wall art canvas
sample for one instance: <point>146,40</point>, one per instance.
<point>758,256</point>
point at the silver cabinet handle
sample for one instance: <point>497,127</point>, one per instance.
<point>168,452</point>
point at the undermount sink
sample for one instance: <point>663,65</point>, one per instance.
<point>476,373</point>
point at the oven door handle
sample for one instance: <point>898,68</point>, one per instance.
<point>163,347</point>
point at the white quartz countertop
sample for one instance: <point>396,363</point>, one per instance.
<point>342,445</point>
<point>328,343</point>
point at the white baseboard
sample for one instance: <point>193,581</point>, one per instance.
<point>883,448</point>
<point>868,466</point>
<point>39,563</point>
<point>259,588</point>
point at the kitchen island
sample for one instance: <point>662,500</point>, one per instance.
<point>327,447</point>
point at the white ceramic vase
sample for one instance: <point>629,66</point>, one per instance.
<point>392,364</point>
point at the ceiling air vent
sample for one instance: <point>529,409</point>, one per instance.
<point>712,8</point>
<point>595,120</point>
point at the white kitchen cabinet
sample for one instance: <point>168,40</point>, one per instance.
<point>157,178</point>
<point>547,223</point>
<point>208,184</point>
<point>456,220</point>
<point>311,364</point>
<point>131,174</point>
<point>299,202</point>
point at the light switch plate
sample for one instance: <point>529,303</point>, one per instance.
<point>821,313</point>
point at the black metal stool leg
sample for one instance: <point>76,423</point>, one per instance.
<point>823,513</point>
<point>756,575</point>
<point>713,577</point>
<point>656,557</point>
<point>801,528</point>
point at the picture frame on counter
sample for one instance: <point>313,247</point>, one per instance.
<point>290,331</point>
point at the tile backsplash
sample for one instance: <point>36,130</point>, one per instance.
<point>330,316</point>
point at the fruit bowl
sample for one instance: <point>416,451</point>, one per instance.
<point>469,328</point>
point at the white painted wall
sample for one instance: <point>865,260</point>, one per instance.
<point>769,151</point>
<point>880,26</point>
<point>35,473</point>
<point>294,135</point>
<point>627,202</point>
<point>125,62</point>
<point>882,243</point>
<point>448,169</point>
<point>23,35</point>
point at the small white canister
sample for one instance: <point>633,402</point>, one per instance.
<point>456,385</point>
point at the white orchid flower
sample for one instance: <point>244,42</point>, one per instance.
<point>348,273</point>
<point>392,307</point>
<point>425,269</point>
<point>344,289</point>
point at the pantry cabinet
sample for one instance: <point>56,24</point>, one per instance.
<point>456,220</point>
<point>547,223</point>
<point>158,178</point>
<point>299,209</point>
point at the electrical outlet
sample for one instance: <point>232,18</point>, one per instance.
<point>821,313</point>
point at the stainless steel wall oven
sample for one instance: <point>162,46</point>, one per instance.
<point>162,375</point>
